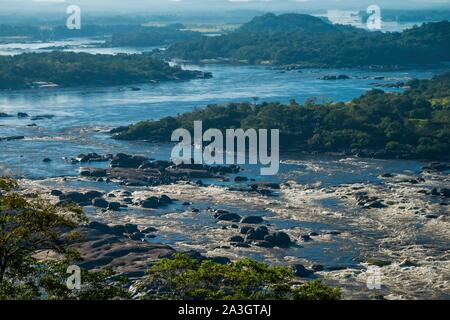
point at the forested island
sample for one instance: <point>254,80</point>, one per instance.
<point>413,124</point>
<point>69,69</point>
<point>313,42</point>
<point>57,32</point>
<point>152,36</point>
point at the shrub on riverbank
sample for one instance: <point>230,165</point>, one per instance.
<point>184,278</point>
<point>30,224</point>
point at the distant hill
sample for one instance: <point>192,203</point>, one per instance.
<point>153,36</point>
<point>271,23</point>
<point>311,42</point>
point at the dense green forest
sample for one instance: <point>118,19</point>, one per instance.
<point>44,33</point>
<point>79,69</point>
<point>413,124</point>
<point>313,42</point>
<point>152,36</point>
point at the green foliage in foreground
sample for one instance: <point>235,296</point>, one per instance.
<point>185,278</point>
<point>29,224</point>
<point>47,281</point>
<point>413,124</point>
<point>82,69</point>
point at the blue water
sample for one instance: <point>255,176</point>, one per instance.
<point>82,114</point>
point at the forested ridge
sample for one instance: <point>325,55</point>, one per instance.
<point>311,42</point>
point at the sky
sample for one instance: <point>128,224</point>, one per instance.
<point>155,6</point>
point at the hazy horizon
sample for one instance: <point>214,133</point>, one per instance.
<point>179,6</point>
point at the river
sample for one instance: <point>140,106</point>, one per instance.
<point>315,200</point>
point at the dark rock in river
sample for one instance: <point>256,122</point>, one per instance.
<point>5,115</point>
<point>122,160</point>
<point>245,230</point>
<point>93,157</point>
<point>93,172</point>
<point>56,193</point>
<point>12,138</point>
<point>317,267</point>
<point>93,194</point>
<point>252,220</point>
<point>335,77</point>
<point>42,117</point>
<point>101,248</point>
<point>229,217</point>
<point>100,203</point>
<point>301,271</point>
<point>164,200</point>
<point>282,239</point>
<point>236,239</point>
<point>257,234</point>
<point>240,179</point>
<point>445,192</point>
<point>150,203</point>
<point>114,206</point>
<point>264,244</point>
<point>76,197</point>
<point>436,166</point>
<point>22,115</point>
<point>374,205</point>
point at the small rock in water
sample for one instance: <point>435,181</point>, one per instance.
<point>257,234</point>
<point>229,217</point>
<point>317,267</point>
<point>164,200</point>
<point>236,239</point>
<point>301,271</point>
<point>56,193</point>
<point>282,239</point>
<point>47,160</point>
<point>114,206</point>
<point>245,230</point>
<point>22,115</point>
<point>264,244</point>
<point>150,203</point>
<point>252,220</point>
<point>100,203</point>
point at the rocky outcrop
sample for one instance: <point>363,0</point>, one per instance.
<point>102,246</point>
<point>335,77</point>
